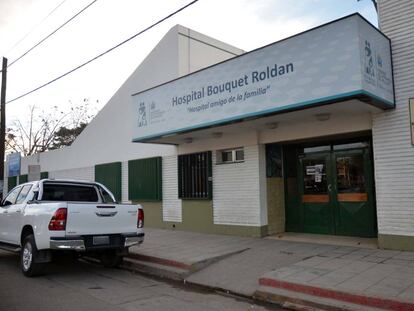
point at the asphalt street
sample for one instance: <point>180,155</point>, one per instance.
<point>78,285</point>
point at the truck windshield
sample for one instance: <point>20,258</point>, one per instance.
<point>68,192</point>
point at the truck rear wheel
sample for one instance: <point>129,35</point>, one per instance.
<point>28,257</point>
<point>111,259</point>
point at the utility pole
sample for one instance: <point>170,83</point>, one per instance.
<point>3,117</point>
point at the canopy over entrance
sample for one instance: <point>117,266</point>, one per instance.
<point>346,60</point>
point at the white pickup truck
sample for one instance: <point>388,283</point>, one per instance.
<point>42,217</point>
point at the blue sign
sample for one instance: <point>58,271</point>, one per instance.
<point>13,162</point>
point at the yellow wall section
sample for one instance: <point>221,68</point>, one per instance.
<point>397,242</point>
<point>275,205</point>
<point>198,217</point>
<point>152,214</point>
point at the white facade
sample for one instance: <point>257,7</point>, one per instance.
<point>236,189</point>
<point>171,204</point>
<point>82,173</point>
<point>240,190</point>
<point>393,152</point>
<point>108,137</point>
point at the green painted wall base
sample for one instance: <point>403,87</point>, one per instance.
<point>152,214</point>
<point>197,216</point>
<point>397,242</point>
<point>275,205</point>
<point>246,231</point>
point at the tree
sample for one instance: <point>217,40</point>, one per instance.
<point>79,118</point>
<point>44,131</point>
<point>65,136</point>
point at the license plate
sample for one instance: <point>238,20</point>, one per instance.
<point>100,240</point>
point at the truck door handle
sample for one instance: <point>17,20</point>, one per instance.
<point>329,187</point>
<point>106,214</point>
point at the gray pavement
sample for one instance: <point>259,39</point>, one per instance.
<point>353,270</point>
<point>76,285</point>
<point>358,272</point>
<point>189,247</point>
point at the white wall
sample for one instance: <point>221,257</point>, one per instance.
<point>200,51</point>
<point>108,137</point>
<point>239,197</point>
<point>311,128</point>
<point>83,173</point>
<point>226,141</point>
<point>124,182</point>
<point>393,152</point>
<point>171,204</point>
<point>237,190</point>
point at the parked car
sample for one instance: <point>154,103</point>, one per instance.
<point>44,217</point>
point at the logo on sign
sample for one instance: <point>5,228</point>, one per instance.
<point>375,72</point>
<point>142,115</point>
<point>379,61</point>
<point>369,62</point>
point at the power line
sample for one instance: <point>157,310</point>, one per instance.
<point>34,27</point>
<point>103,53</point>
<point>52,33</point>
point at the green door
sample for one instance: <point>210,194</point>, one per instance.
<point>336,193</point>
<point>315,177</point>
<point>354,193</point>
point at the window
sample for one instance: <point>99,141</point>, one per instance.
<point>23,194</point>
<point>273,160</point>
<point>23,179</point>
<point>350,173</point>
<point>11,198</point>
<point>145,179</point>
<point>314,176</point>
<point>226,156</point>
<point>230,156</point>
<point>70,193</point>
<point>109,175</point>
<point>239,155</point>
<point>11,182</point>
<point>195,176</point>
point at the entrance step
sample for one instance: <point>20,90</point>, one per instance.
<point>370,243</point>
<point>155,269</point>
<point>299,301</point>
<point>170,268</point>
<point>280,291</point>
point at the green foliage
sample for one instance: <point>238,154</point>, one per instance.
<point>65,136</point>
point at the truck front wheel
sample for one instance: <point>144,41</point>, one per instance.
<point>111,259</point>
<point>28,257</point>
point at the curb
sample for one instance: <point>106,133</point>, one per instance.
<point>190,267</point>
<point>161,261</point>
<point>369,301</point>
<point>171,276</point>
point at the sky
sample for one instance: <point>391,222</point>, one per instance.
<point>244,24</point>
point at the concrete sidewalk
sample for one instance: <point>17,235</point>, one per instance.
<point>289,273</point>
